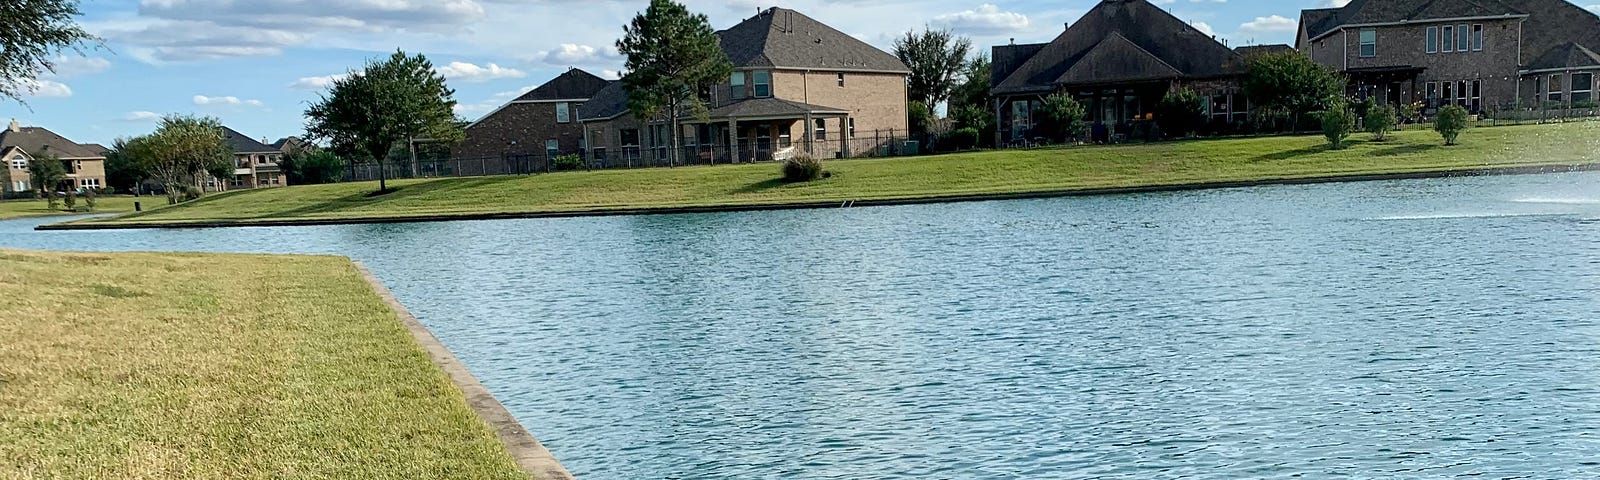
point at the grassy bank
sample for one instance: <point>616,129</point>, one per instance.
<point>220,366</point>
<point>995,172</point>
<point>25,208</point>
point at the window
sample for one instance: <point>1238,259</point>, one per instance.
<point>736,86</point>
<point>1477,37</point>
<point>763,83</point>
<point>1449,39</point>
<point>19,162</point>
<point>1369,43</point>
<point>1555,87</point>
<point>1449,93</point>
<point>563,112</point>
<point>630,137</point>
<point>1538,87</point>
<point>1477,96</point>
<point>1433,40</point>
<point>1582,87</point>
<point>841,80</point>
<point>1461,93</point>
<point>552,148</point>
<point>1463,40</point>
<point>1433,94</point>
<point>22,186</point>
<point>852,128</point>
<point>821,129</point>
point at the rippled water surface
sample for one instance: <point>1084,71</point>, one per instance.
<point>1406,329</point>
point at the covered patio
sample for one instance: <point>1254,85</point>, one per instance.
<point>763,129</point>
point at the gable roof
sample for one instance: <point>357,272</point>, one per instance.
<point>1567,55</point>
<point>606,104</point>
<point>1552,24</point>
<point>1319,22</point>
<point>769,107</point>
<point>1254,50</point>
<point>40,141</point>
<point>244,144</point>
<point>575,84</point>
<point>784,38</point>
<point>1122,40</point>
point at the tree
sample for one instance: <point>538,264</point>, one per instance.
<point>124,170</point>
<point>1290,83</point>
<point>1180,113</point>
<point>1380,119</point>
<point>181,152</point>
<point>970,105</point>
<point>33,33</point>
<point>1451,121</point>
<point>387,104</point>
<point>671,55</point>
<point>46,172</point>
<point>1062,117</point>
<point>1337,123</point>
<point>935,57</point>
<point>919,119</point>
<point>305,165</point>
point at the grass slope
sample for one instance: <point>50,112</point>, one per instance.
<point>26,208</point>
<point>1010,171</point>
<point>220,366</point>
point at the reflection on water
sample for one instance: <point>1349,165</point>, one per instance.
<point>1390,329</point>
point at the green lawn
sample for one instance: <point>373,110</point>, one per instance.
<point>220,366</point>
<point>1011,171</point>
<point>10,209</point>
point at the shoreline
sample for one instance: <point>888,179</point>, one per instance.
<point>932,199</point>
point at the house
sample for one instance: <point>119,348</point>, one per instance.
<point>542,122</point>
<point>798,87</point>
<point>1480,54</point>
<point>255,165</point>
<point>85,164</point>
<point>1119,60</point>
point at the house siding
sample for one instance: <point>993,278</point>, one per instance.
<point>521,129</point>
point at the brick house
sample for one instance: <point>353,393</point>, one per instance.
<point>85,164</point>
<point>798,86</point>
<point>255,165</point>
<point>1481,54</point>
<point>1119,60</point>
<point>541,123</point>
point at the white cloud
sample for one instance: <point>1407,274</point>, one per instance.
<point>228,100</point>
<point>141,116</point>
<point>1269,24</point>
<point>987,19</point>
<point>469,72</point>
<point>75,66</point>
<point>1205,28</point>
<point>1333,3</point>
<point>42,88</point>
<point>317,83</point>
<point>573,54</point>
<point>1593,8</point>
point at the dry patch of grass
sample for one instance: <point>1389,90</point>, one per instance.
<point>220,366</point>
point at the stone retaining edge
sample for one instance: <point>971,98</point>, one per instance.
<point>1084,192</point>
<point>528,452</point>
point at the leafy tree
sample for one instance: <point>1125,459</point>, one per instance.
<point>1380,119</point>
<point>974,89</point>
<point>671,54</point>
<point>181,152</point>
<point>304,165</point>
<point>1290,82</point>
<point>46,172</point>
<point>1062,117</point>
<point>124,170</point>
<point>387,104</point>
<point>977,118</point>
<point>1451,121</point>
<point>32,34</point>
<point>1180,113</point>
<point>1337,123</point>
<point>935,57</point>
<point>919,118</point>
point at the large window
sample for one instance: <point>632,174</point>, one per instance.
<point>1462,93</point>
<point>736,86</point>
<point>1369,43</point>
<point>19,162</point>
<point>552,148</point>
<point>1463,42</point>
<point>1555,87</point>
<point>763,83</point>
<point>563,112</point>
<point>1449,39</point>
<point>1433,40</point>
<point>630,137</point>
<point>1582,87</point>
<point>1433,94</point>
<point>1477,96</point>
<point>1449,93</point>
<point>1477,37</point>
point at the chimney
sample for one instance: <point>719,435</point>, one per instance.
<point>1066,25</point>
<point>14,128</point>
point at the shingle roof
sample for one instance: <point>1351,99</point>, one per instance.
<point>1568,55</point>
<point>769,107</point>
<point>1393,11</point>
<point>1152,44</point>
<point>40,141</point>
<point>784,38</point>
<point>1006,59</point>
<point>1552,24</point>
<point>574,84</point>
<point>244,144</point>
<point>605,104</point>
<point>1254,50</point>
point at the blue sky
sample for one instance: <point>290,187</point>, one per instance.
<point>256,64</point>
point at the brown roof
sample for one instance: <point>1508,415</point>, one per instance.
<point>1568,55</point>
<point>1117,41</point>
<point>1360,12</point>
<point>1550,25</point>
<point>770,107</point>
<point>1254,50</point>
<point>572,85</point>
<point>39,141</point>
<point>607,103</point>
<point>245,144</point>
<point>784,38</point>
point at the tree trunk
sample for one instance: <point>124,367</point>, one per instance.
<point>672,142</point>
<point>383,180</point>
<point>411,144</point>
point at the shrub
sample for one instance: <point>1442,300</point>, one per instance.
<point>90,199</point>
<point>192,193</point>
<point>1451,122</point>
<point>1585,104</point>
<point>567,162</point>
<point>70,201</point>
<point>964,139</point>
<point>802,168</point>
<point>1337,123</point>
<point>1379,121</point>
<point>1413,112</point>
<point>1180,113</point>
<point>1062,117</point>
<point>108,191</point>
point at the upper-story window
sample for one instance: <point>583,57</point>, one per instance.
<point>1369,43</point>
<point>19,162</point>
<point>1433,40</point>
<point>736,86</point>
<point>563,112</point>
<point>1477,37</point>
<point>841,79</point>
<point>1463,40</point>
<point>761,83</point>
<point>1449,35</point>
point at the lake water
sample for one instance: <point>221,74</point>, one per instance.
<point>1407,329</point>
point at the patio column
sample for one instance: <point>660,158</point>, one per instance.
<point>844,136</point>
<point>733,141</point>
<point>810,137</point>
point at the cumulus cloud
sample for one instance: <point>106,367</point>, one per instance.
<point>469,72</point>
<point>42,88</point>
<point>1269,24</point>
<point>227,100</point>
<point>77,66</point>
<point>317,83</point>
<point>987,19</point>
<point>572,54</point>
<point>141,116</point>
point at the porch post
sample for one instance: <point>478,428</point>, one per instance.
<point>844,136</point>
<point>733,141</point>
<point>810,137</point>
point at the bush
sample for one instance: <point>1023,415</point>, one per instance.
<point>1586,104</point>
<point>1180,113</point>
<point>90,199</point>
<point>70,201</point>
<point>1451,122</point>
<point>108,191</point>
<point>1379,121</point>
<point>964,139</point>
<point>802,168</point>
<point>1062,117</point>
<point>1337,123</point>
<point>192,193</point>
<point>567,162</point>
<point>1413,112</point>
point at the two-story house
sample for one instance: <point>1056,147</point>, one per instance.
<point>541,123</point>
<point>1479,54</point>
<point>85,165</point>
<point>798,85</point>
<point>1118,60</point>
<point>255,165</point>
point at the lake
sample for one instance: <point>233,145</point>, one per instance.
<point>1404,329</point>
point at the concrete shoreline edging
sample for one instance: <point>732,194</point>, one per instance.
<point>1079,192</point>
<point>526,450</point>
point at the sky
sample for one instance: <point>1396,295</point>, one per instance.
<point>257,64</point>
